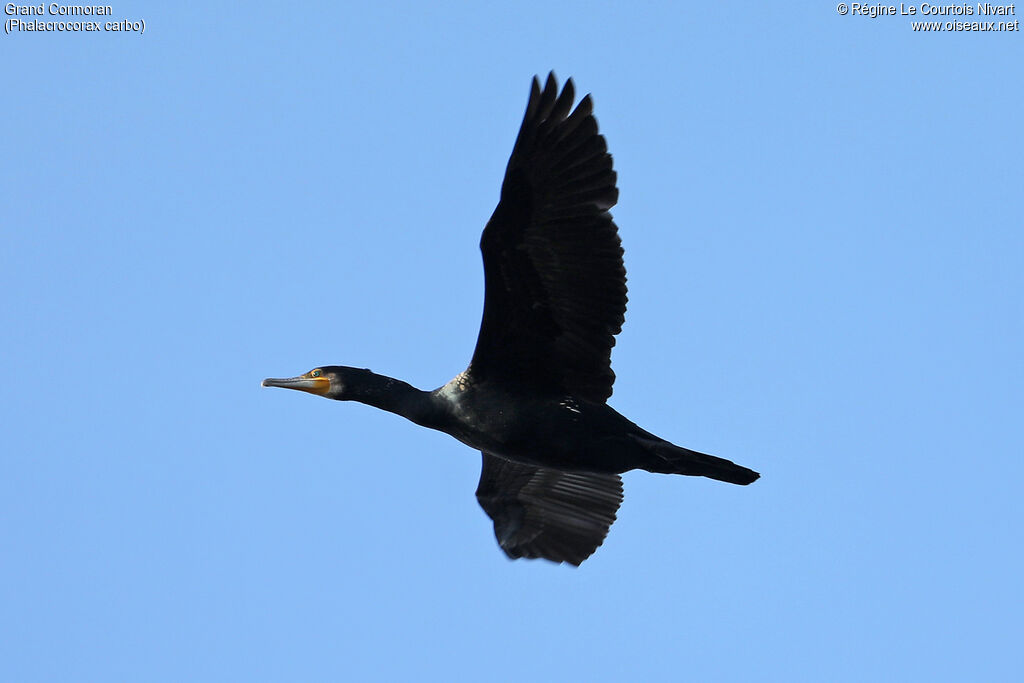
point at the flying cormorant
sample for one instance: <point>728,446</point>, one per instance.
<point>533,399</point>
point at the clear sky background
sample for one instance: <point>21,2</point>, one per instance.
<point>822,218</point>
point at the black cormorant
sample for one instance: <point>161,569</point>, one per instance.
<point>533,399</point>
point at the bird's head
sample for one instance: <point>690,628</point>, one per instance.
<point>328,381</point>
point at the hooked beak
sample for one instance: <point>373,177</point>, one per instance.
<point>314,385</point>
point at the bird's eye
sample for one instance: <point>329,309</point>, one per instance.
<point>316,373</point>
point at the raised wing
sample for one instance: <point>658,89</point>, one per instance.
<point>556,285</point>
<point>540,512</point>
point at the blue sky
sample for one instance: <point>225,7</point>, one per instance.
<point>822,223</point>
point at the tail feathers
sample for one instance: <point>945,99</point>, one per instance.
<point>672,459</point>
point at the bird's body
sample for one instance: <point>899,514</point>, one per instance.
<point>556,430</point>
<point>533,399</point>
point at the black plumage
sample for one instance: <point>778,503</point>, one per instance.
<point>555,282</point>
<point>533,399</point>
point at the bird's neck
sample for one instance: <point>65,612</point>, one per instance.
<point>395,396</point>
